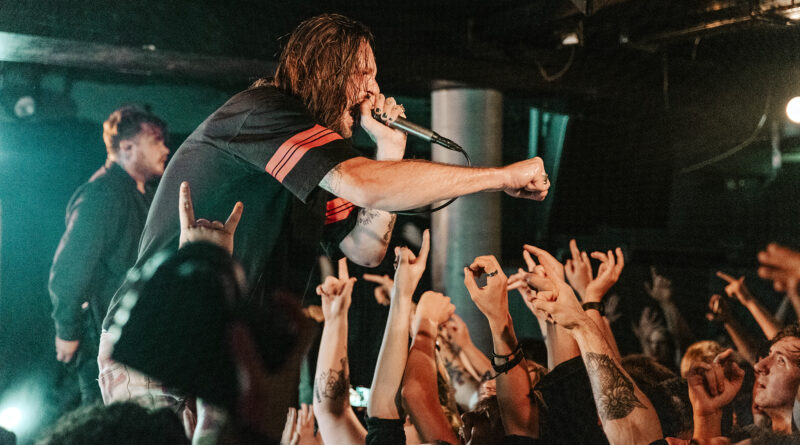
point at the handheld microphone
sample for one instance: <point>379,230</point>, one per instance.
<point>420,132</point>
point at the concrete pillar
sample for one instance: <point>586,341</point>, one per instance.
<point>469,227</point>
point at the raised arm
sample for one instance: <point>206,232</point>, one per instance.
<point>719,311</point>
<point>458,335</point>
<point>519,412</point>
<point>627,415</point>
<point>661,291</point>
<point>337,421</point>
<point>394,348</point>
<point>420,394</point>
<point>737,289</point>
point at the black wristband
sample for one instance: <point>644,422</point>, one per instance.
<point>596,305</point>
<point>513,359</point>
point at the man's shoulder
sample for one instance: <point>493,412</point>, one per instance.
<point>268,99</point>
<point>105,184</point>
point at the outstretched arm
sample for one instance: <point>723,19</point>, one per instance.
<point>420,394</point>
<point>719,311</point>
<point>394,348</point>
<point>337,421</point>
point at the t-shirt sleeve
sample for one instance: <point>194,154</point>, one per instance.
<point>385,431</point>
<point>277,134</point>
<point>340,219</point>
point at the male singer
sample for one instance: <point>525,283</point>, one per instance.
<point>282,148</point>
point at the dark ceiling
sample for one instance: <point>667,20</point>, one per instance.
<point>512,45</point>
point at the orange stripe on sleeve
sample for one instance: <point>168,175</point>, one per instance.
<point>337,210</point>
<point>291,151</point>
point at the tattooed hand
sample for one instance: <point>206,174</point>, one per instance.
<point>336,293</point>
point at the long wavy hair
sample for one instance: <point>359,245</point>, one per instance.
<point>317,63</point>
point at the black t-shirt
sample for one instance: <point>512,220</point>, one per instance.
<point>570,417</point>
<point>263,148</point>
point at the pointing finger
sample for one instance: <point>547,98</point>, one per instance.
<point>185,208</point>
<point>234,218</point>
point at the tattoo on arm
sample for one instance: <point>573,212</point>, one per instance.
<point>366,216</point>
<point>389,228</point>
<point>614,394</point>
<point>332,181</point>
<point>332,384</point>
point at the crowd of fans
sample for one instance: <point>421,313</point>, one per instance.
<point>433,385</point>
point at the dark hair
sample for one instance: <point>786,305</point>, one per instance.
<point>792,330</point>
<point>317,63</point>
<point>124,422</point>
<point>125,123</point>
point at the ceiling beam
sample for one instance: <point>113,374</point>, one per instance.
<point>148,60</point>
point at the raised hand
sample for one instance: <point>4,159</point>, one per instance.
<point>383,290</point>
<point>289,436</point>
<point>410,267</point>
<point>492,299</point>
<point>780,265</point>
<point>648,322</point>
<point>736,288</point>
<point>433,307</point>
<point>203,229</point>
<point>552,266</point>
<point>337,293</point>
<point>560,305</point>
<point>527,179</point>
<point>304,429</point>
<point>713,386</point>
<point>607,275</point>
<point>661,289</point>
<point>65,349</point>
<point>578,269</point>
<point>457,332</point>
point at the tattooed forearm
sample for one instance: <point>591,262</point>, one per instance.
<point>613,391</point>
<point>333,384</point>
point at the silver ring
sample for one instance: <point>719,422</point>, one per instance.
<point>546,177</point>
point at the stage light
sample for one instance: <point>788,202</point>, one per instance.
<point>793,109</point>
<point>10,417</point>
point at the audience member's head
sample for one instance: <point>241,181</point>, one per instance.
<point>483,425</point>
<point>778,376</point>
<point>125,422</point>
<point>701,351</point>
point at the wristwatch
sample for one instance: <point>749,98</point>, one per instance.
<point>596,305</point>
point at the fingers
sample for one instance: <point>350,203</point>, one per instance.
<point>573,248</point>
<point>653,273</point>
<point>542,285</point>
<point>489,265</point>
<point>379,279</point>
<point>528,260</point>
<point>620,260</point>
<point>725,276</point>
<point>233,219</point>
<point>185,208</point>
<point>600,256</point>
<point>469,282</point>
<point>378,106</point>
<point>343,273</point>
<point>425,247</point>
